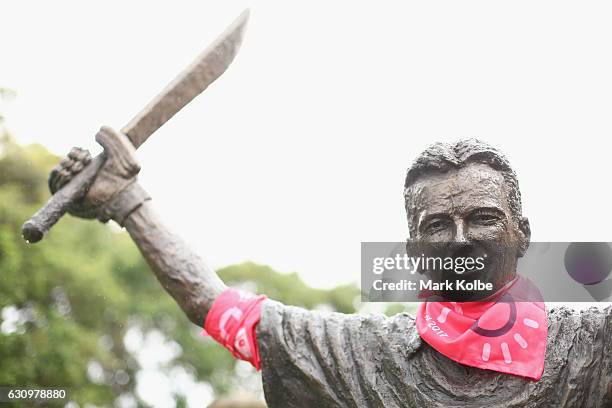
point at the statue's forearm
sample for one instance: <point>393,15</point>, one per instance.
<point>181,271</point>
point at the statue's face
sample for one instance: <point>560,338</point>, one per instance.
<point>468,209</point>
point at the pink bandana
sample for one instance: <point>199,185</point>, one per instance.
<point>232,320</point>
<point>506,335</point>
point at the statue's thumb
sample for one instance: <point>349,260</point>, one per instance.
<point>119,151</point>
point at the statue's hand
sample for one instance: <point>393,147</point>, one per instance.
<point>115,193</point>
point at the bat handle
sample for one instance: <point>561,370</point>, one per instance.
<point>36,227</point>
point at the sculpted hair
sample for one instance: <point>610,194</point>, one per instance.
<point>442,157</point>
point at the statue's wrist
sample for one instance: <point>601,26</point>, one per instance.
<point>124,203</point>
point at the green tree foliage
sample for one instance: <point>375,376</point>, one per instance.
<point>69,301</point>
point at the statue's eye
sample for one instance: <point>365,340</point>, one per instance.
<point>435,225</point>
<point>484,218</point>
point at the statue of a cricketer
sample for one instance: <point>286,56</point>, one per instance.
<point>464,192</point>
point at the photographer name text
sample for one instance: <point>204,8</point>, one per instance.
<point>429,285</point>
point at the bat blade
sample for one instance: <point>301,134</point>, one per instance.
<point>202,72</point>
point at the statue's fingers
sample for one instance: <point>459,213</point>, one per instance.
<point>76,167</point>
<point>63,177</point>
<point>68,167</point>
<point>56,169</point>
<point>74,153</point>
<point>53,176</point>
<point>80,155</point>
<point>66,163</point>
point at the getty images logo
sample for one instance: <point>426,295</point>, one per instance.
<point>590,263</point>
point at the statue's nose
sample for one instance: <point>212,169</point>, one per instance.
<point>460,236</point>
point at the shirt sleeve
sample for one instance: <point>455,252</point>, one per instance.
<point>317,359</point>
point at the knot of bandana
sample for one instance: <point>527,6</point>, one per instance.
<point>507,335</point>
<point>231,321</point>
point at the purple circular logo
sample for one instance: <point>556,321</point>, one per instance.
<point>588,263</point>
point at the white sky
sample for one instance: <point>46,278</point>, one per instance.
<point>298,153</point>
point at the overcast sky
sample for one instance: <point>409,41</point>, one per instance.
<point>298,153</point>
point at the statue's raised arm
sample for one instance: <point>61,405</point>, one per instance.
<point>116,194</point>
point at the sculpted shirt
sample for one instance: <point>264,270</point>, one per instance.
<point>315,359</point>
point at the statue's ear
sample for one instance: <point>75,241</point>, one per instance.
<point>525,235</point>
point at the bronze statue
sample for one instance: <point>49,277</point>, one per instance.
<point>453,192</point>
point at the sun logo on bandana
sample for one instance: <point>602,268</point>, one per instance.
<point>505,335</point>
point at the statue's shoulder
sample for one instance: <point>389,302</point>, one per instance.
<point>593,315</point>
<point>578,355</point>
<point>566,326</point>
